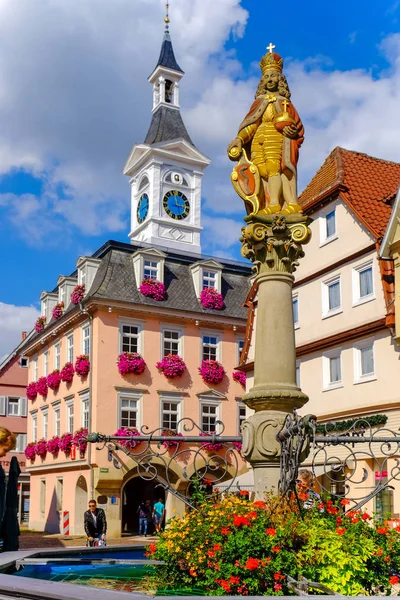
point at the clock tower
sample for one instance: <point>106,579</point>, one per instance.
<point>166,170</point>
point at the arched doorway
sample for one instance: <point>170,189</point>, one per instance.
<point>134,492</point>
<point>81,504</point>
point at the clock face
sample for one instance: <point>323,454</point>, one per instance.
<point>142,208</point>
<point>176,205</point>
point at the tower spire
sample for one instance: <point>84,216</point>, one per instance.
<point>166,19</point>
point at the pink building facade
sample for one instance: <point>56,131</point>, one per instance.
<point>13,416</point>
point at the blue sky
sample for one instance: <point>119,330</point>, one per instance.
<point>74,99</point>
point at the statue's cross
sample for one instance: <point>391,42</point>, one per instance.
<point>270,47</point>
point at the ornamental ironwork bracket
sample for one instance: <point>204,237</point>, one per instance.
<point>156,453</point>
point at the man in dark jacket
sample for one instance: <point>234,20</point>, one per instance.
<point>95,523</point>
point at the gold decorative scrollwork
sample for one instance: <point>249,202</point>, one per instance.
<point>300,233</point>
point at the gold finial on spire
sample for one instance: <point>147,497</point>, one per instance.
<point>271,47</point>
<point>166,20</point>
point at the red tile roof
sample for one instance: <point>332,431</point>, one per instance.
<point>365,183</point>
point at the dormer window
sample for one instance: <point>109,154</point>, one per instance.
<point>87,269</point>
<point>148,264</point>
<point>47,303</point>
<point>82,276</point>
<point>207,274</point>
<point>65,289</point>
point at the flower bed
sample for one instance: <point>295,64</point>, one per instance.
<point>82,365</point>
<point>30,451</point>
<point>208,445</point>
<point>130,362</point>
<point>212,371</point>
<point>41,448</point>
<point>171,443</point>
<point>53,380</point>
<point>79,440</point>
<point>237,547</point>
<point>78,294</point>
<point>66,443</point>
<point>31,391</point>
<point>128,431</point>
<point>240,377</point>
<point>58,311</point>
<point>151,288</point>
<point>172,366</point>
<point>67,372</point>
<point>210,298</point>
<point>39,325</point>
<point>41,386</point>
<point>53,446</point>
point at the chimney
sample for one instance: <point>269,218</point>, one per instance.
<point>24,334</point>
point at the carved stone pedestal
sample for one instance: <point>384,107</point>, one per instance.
<point>274,245</point>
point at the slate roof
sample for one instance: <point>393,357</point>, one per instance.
<point>167,56</point>
<point>166,125</point>
<point>368,185</point>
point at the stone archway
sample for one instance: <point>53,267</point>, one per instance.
<point>135,490</point>
<point>81,504</point>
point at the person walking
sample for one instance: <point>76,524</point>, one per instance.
<point>95,524</point>
<point>158,514</point>
<point>144,512</point>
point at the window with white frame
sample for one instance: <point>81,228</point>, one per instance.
<point>363,283</point>
<point>129,407</point>
<point>330,224</point>
<point>295,305</point>
<point>57,420</point>
<point>82,275</point>
<point>150,269</point>
<point>364,361</point>
<point>209,279</point>
<point>209,415</point>
<point>86,339</point>
<point>70,416</point>
<point>35,369</point>
<point>13,409</point>
<point>62,294</point>
<point>171,341</point>
<point>240,345</point>
<point>332,369</point>
<point>85,410</point>
<point>24,362</point>
<point>45,424</point>
<point>170,413</point>
<point>70,348</point>
<point>130,337</point>
<point>46,363</point>
<point>34,428</point>
<point>21,442</point>
<point>210,347</point>
<point>241,414</point>
<point>331,296</point>
<point>57,356</point>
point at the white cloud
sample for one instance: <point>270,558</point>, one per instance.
<point>13,321</point>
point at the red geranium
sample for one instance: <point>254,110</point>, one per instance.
<point>270,531</point>
<point>252,564</point>
<point>394,580</point>
<point>259,504</point>
<point>382,530</point>
<point>225,531</point>
<point>341,530</point>
<point>238,521</point>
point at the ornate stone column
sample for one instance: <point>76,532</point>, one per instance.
<point>274,244</point>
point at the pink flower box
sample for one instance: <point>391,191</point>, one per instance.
<point>82,365</point>
<point>41,386</point>
<point>172,366</point>
<point>128,431</point>
<point>172,443</point>
<point>67,372</point>
<point>152,288</point>
<point>211,371</point>
<point>41,448</point>
<point>78,293</point>
<point>66,443</point>
<point>54,379</point>
<point>130,362</point>
<point>240,377</point>
<point>238,446</point>
<point>31,391</point>
<point>58,311</point>
<point>208,445</point>
<point>53,445</point>
<point>210,298</point>
<point>39,325</point>
<point>79,440</point>
<point>30,451</point>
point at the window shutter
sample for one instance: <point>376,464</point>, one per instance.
<point>23,407</point>
<point>3,405</point>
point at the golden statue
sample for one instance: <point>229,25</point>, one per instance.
<point>271,135</point>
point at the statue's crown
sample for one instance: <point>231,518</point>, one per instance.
<point>271,62</point>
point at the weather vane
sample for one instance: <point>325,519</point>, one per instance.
<point>166,20</point>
